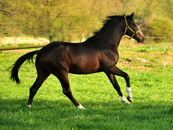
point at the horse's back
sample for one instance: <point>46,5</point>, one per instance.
<point>75,58</point>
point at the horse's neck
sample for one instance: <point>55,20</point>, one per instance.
<point>114,36</point>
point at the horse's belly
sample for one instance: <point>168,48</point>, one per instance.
<point>84,68</point>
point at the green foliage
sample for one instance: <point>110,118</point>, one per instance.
<point>60,20</point>
<point>161,26</point>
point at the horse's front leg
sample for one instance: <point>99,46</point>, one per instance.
<point>116,71</point>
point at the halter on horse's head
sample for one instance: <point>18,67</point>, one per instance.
<point>136,33</point>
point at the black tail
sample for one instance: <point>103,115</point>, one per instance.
<point>19,62</point>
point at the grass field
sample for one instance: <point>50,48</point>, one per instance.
<point>150,67</point>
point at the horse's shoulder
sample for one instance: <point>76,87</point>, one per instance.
<point>109,55</point>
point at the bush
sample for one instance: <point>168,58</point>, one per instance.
<point>160,26</point>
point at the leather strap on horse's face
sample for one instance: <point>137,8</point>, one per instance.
<point>128,27</point>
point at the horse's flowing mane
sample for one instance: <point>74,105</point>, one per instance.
<point>110,22</point>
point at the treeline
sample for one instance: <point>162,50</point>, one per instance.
<point>61,19</point>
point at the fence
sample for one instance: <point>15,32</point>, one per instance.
<point>159,39</point>
<point>31,42</point>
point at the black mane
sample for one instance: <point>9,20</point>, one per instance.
<point>110,20</point>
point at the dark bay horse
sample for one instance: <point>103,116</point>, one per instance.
<point>98,53</point>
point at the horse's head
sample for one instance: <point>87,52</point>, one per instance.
<point>132,29</point>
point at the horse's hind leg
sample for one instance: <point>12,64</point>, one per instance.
<point>63,77</point>
<point>42,75</point>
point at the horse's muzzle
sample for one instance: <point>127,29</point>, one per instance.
<point>140,36</point>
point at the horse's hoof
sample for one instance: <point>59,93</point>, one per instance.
<point>29,106</point>
<point>130,99</point>
<point>80,107</point>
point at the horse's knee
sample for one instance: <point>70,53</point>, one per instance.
<point>127,77</point>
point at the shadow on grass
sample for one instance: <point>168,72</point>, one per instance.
<point>21,104</point>
<point>62,114</point>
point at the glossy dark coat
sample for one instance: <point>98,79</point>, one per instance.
<point>98,53</point>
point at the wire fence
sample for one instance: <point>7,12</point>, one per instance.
<point>158,39</point>
<point>15,43</point>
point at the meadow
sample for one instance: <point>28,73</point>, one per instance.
<point>149,67</point>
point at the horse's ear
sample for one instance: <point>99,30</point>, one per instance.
<point>132,15</point>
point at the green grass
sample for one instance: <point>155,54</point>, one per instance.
<point>151,83</point>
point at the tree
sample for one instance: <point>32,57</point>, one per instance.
<point>59,19</point>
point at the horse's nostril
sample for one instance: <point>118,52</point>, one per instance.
<point>143,39</point>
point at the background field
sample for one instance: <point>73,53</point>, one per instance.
<point>149,66</point>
